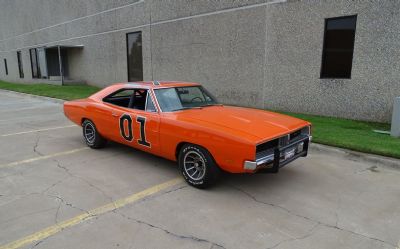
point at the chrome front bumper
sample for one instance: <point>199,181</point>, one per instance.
<point>281,156</point>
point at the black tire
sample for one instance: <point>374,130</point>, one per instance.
<point>94,140</point>
<point>204,178</point>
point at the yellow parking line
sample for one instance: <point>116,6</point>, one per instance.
<point>47,232</point>
<point>47,129</point>
<point>42,157</point>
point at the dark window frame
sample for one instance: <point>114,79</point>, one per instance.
<point>322,73</point>
<point>106,98</point>
<point>131,97</point>
<point>38,74</point>
<point>5,66</point>
<point>127,51</point>
<point>20,65</point>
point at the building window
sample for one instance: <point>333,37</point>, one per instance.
<point>337,55</point>
<point>20,67</point>
<point>5,66</point>
<point>134,54</point>
<point>34,63</point>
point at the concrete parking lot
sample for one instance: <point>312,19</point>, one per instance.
<point>57,193</point>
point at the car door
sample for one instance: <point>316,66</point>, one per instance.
<point>145,122</point>
<point>135,123</point>
<point>113,107</point>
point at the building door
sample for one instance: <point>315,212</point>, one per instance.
<point>134,55</point>
<point>41,57</point>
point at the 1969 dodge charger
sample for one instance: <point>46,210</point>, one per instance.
<point>183,122</point>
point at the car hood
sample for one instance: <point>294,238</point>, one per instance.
<point>251,124</point>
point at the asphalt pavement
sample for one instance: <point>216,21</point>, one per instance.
<point>57,193</point>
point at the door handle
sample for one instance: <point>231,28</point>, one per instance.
<point>114,114</point>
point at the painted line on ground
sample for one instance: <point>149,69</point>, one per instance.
<point>30,116</point>
<point>32,107</point>
<point>49,231</point>
<point>42,157</point>
<point>39,130</point>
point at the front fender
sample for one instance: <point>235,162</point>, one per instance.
<point>228,151</point>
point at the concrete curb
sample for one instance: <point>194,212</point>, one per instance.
<point>54,100</point>
<point>355,155</point>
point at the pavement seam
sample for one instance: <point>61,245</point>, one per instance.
<point>179,236</point>
<point>308,218</point>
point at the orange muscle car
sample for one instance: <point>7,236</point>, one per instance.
<point>183,122</point>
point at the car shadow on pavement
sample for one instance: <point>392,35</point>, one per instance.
<point>258,180</point>
<point>265,181</point>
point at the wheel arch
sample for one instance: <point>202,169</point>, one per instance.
<point>83,120</point>
<point>181,144</point>
<point>179,147</point>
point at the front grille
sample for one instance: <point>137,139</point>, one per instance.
<point>265,149</point>
<point>264,153</point>
<point>283,141</point>
<point>295,134</point>
<point>268,148</point>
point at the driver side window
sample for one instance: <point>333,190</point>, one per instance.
<point>138,99</point>
<point>120,97</point>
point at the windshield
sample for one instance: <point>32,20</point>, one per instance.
<point>179,98</point>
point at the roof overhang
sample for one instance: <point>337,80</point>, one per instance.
<point>65,46</point>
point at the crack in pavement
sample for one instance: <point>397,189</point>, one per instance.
<point>179,236</point>
<point>309,234</point>
<point>339,203</point>
<point>61,199</point>
<point>308,218</point>
<point>35,146</point>
<point>56,215</point>
<point>373,169</point>
<point>98,189</point>
<point>92,215</point>
<point>215,246</point>
<point>36,244</point>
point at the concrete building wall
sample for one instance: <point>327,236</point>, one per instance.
<point>294,52</point>
<point>259,53</point>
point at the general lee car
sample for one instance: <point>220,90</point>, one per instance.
<point>183,122</point>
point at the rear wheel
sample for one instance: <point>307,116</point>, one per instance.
<point>92,138</point>
<point>197,166</point>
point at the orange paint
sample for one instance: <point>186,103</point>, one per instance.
<point>229,133</point>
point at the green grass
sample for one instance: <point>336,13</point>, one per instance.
<point>54,91</point>
<point>351,134</point>
<point>339,132</point>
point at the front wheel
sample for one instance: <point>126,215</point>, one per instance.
<point>92,137</point>
<point>197,166</point>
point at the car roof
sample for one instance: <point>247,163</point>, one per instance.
<point>157,84</point>
<point>140,84</point>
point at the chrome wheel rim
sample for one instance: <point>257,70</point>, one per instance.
<point>194,165</point>
<point>90,134</point>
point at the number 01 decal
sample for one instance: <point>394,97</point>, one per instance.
<point>129,137</point>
